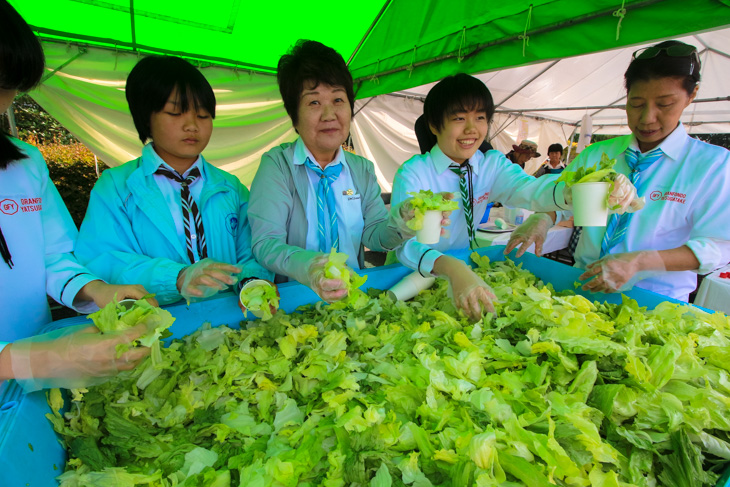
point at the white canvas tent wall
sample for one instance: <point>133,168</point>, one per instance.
<point>529,100</point>
<point>87,97</point>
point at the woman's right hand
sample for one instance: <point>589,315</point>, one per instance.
<point>73,357</point>
<point>330,290</point>
<point>205,278</point>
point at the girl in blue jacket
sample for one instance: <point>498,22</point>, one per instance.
<point>169,219</point>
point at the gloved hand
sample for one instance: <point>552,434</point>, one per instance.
<point>471,294</point>
<point>73,357</point>
<point>533,230</point>
<point>467,291</point>
<point>622,196</point>
<point>403,212</point>
<point>619,272</point>
<point>330,290</point>
<point>102,293</point>
<point>205,278</point>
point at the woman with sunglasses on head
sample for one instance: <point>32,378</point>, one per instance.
<point>37,238</point>
<point>683,230</point>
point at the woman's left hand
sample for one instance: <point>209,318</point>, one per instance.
<point>618,272</point>
<point>405,212</point>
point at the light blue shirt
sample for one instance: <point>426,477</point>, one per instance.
<point>350,221</point>
<point>171,193</point>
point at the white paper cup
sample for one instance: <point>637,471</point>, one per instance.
<point>431,231</point>
<point>253,283</point>
<point>410,286</point>
<point>589,204</point>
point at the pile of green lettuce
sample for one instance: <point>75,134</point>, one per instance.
<point>553,390</point>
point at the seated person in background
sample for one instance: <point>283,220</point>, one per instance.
<point>522,153</point>
<point>169,219</point>
<point>309,196</point>
<point>553,165</point>
<point>684,228</point>
<point>458,110</point>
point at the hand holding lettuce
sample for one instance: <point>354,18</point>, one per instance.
<point>621,195</point>
<point>332,280</point>
<point>83,355</point>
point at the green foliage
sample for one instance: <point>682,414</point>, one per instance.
<point>73,170</point>
<point>35,123</point>
<point>553,390</point>
<point>71,164</point>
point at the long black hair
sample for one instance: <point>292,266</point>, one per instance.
<point>21,67</point>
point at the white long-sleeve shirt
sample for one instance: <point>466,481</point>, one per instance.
<point>687,203</point>
<point>40,235</point>
<point>495,178</point>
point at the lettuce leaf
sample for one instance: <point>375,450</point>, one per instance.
<point>426,200</point>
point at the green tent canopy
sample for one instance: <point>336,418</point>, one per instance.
<point>390,45</point>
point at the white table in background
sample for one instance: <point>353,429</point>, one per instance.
<point>557,239</point>
<point>714,292</point>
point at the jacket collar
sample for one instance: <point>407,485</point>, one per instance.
<point>149,199</point>
<point>442,162</point>
<point>301,153</point>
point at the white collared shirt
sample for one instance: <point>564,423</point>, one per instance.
<point>495,178</point>
<point>171,193</point>
<point>687,195</point>
<point>350,221</point>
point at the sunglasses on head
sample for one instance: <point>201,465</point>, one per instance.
<point>677,50</point>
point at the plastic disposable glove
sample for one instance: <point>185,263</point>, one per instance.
<point>330,290</point>
<point>619,272</point>
<point>205,278</point>
<point>403,212</point>
<point>533,230</point>
<point>73,357</point>
<point>622,196</point>
<point>102,293</point>
<point>467,291</point>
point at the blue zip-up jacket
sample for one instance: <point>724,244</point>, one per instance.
<point>129,236</point>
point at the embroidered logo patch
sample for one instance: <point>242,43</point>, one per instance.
<point>668,196</point>
<point>232,223</point>
<point>9,207</point>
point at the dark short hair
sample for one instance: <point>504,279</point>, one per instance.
<point>311,62</point>
<point>457,93</point>
<point>154,78</point>
<point>555,148</point>
<point>21,67</point>
<point>663,65</point>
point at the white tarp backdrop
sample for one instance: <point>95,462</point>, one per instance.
<point>87,96</point>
